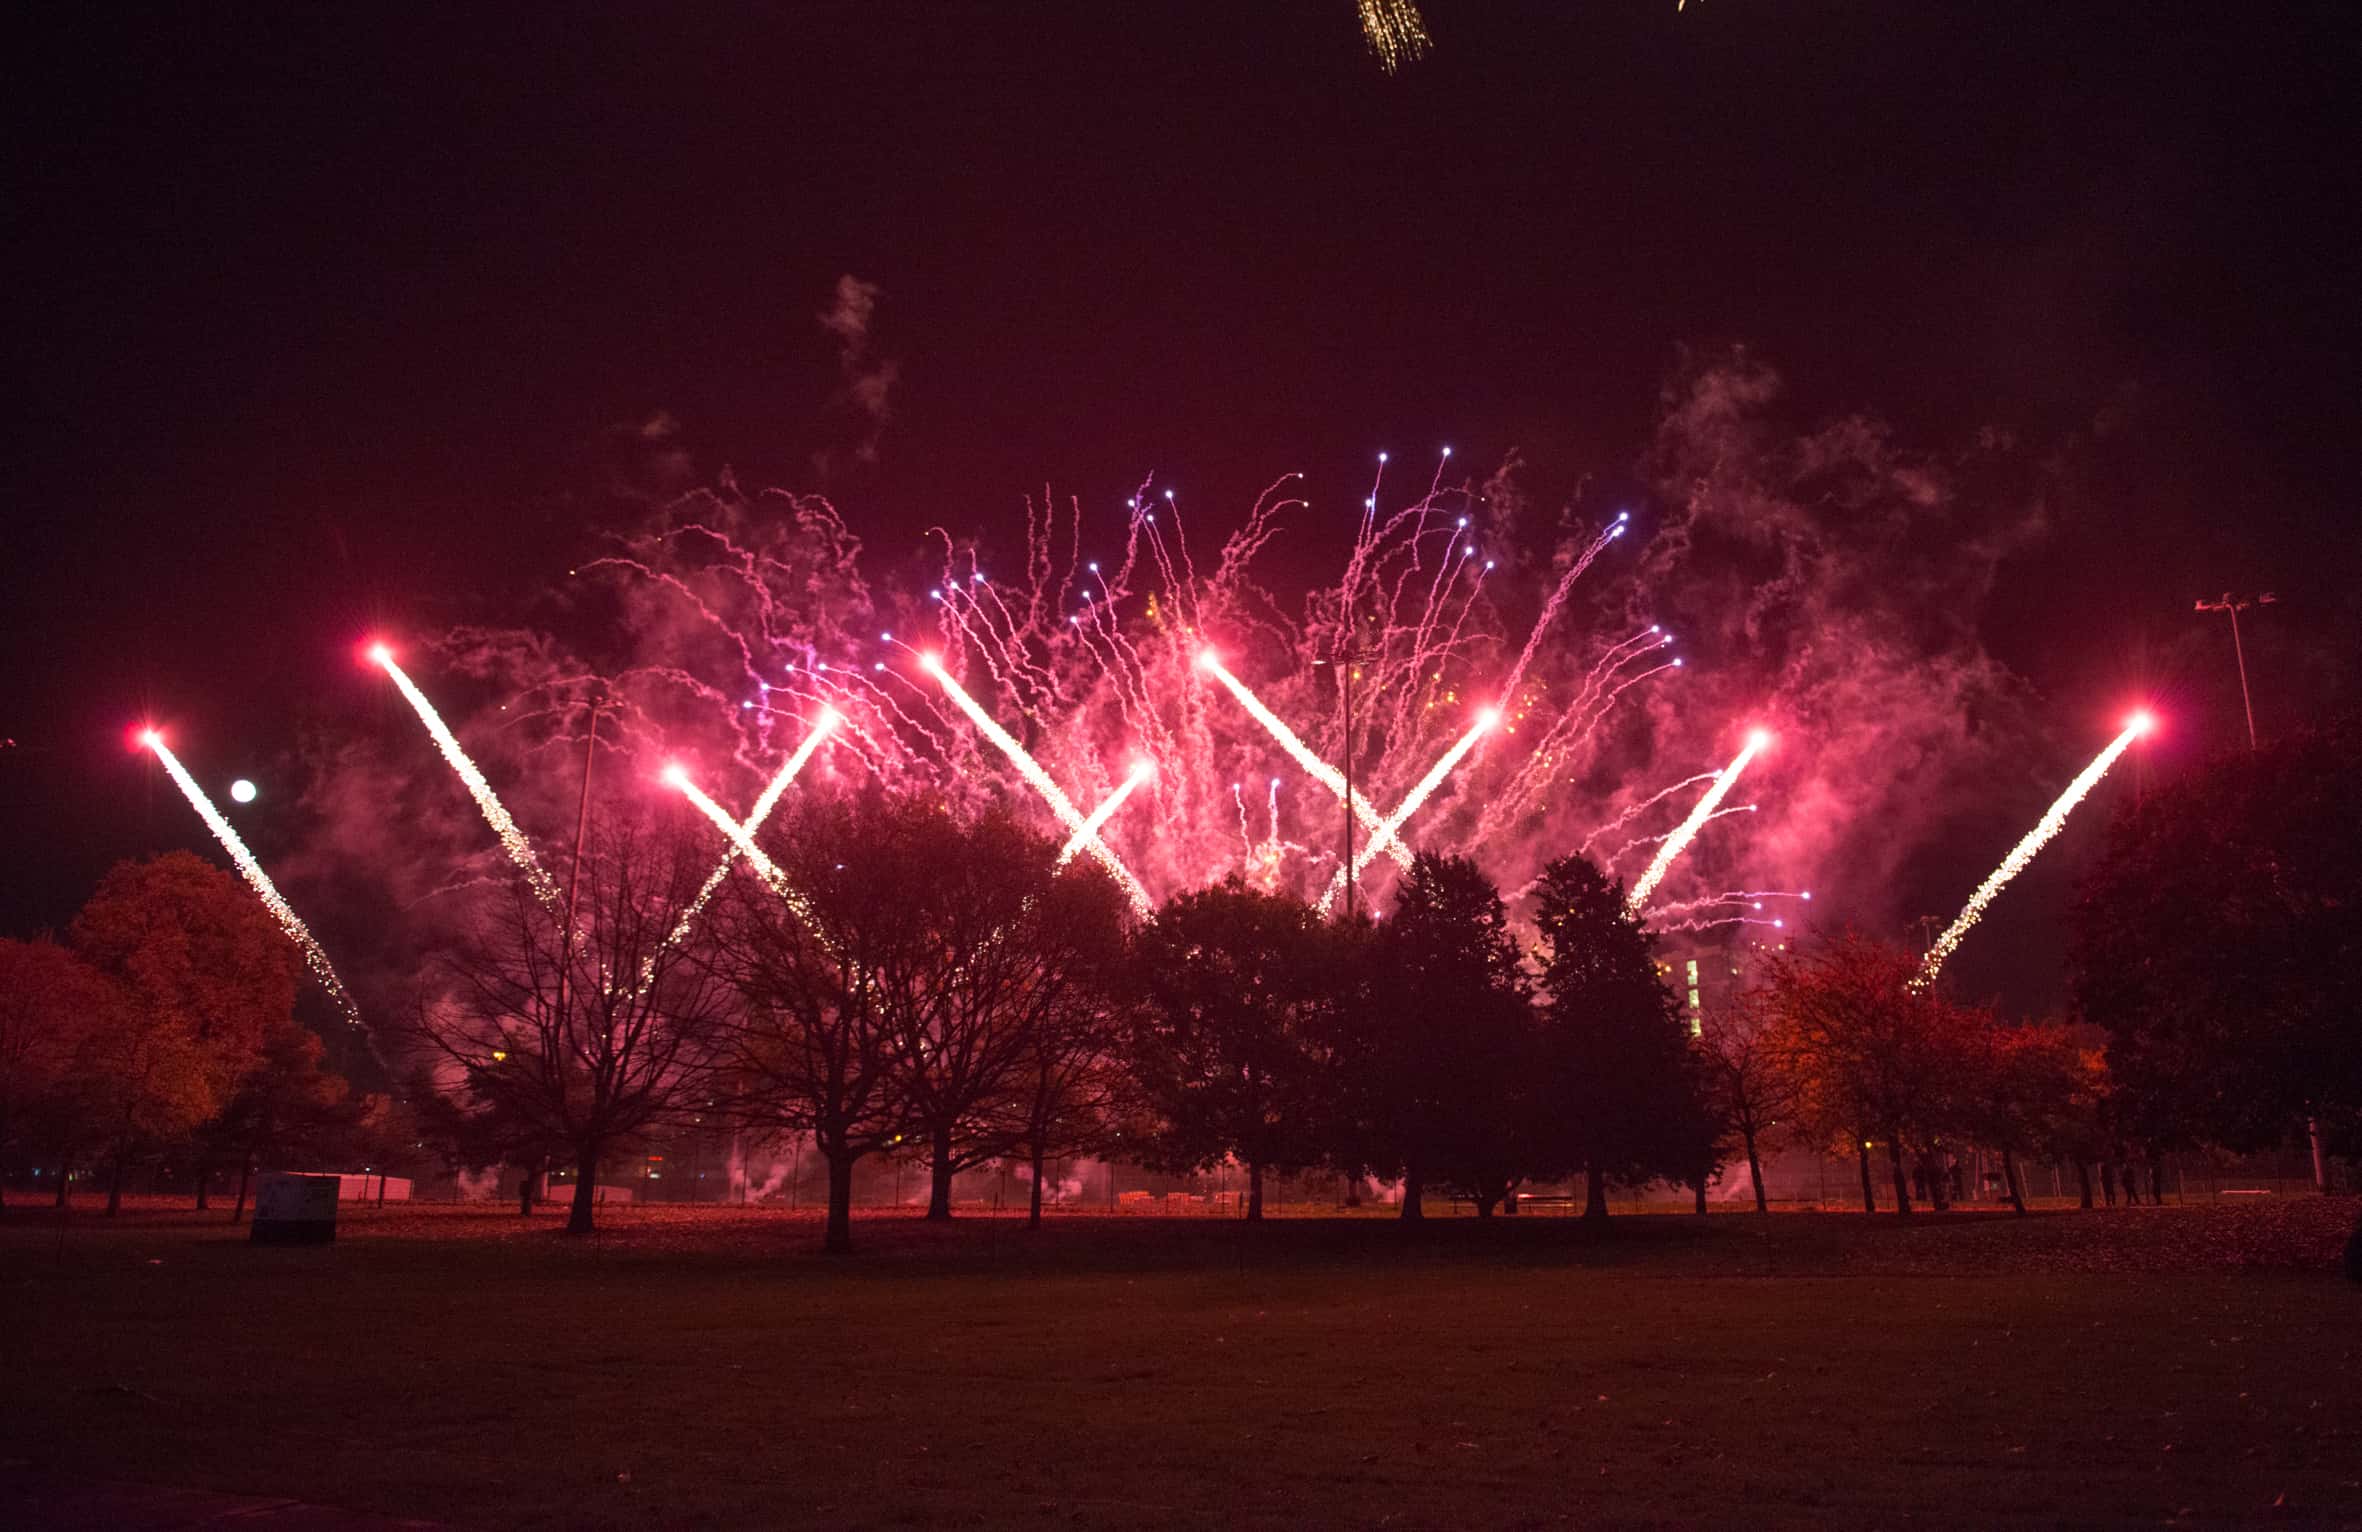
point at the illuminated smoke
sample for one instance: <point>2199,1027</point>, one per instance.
<point>1031,770</point>
<point>1088,830</point>
<point>2023,852</point>
<point>1393,823</point>
<point>1679,840</point>
<point>512,839</point>
<point>314,956</point>
<point>1394,31</point>
<point>1381,838</point>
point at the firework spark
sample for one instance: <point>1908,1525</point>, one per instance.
<point>1395,32</point>
<point>1679,840</point>
<point>314,956</point>
<point>2023,852</point>
<point>1390,828</point>
<point>512,839</point>
<point>1031,770</point>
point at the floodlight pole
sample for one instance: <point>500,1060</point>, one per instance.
<point>2231,606</point>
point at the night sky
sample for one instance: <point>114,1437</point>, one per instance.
<point>336,320</point>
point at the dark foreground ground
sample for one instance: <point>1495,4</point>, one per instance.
<point>2179,1365</point>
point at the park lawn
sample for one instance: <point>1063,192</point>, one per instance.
<point>705,1367</point>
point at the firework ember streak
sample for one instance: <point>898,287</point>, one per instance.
<point>314,956</point>
<point>1679,840</point>
<point>2023,852</point>
<point>496,815</point>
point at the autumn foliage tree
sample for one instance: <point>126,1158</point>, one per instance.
<point>51,1002</point>
<point>206,976</point>
<point>1879,1058</point>
<point>1750,1082</point>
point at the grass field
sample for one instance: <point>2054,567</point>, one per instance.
<point>2200,1365</point>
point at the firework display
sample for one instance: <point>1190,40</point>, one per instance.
<point>2053,820</point>
<point>314,957</point>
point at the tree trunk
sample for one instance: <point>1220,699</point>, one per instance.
<point>2083,1175</point>
<point>1414,1184</point>
<point>2009,1178</point>
<point>2157,1180</point>
<point>1701,1190</point>
<point>2108,1181</point>
<point>1509,1198</point>
<point>1485,1203</point>
<point>1033,1209</point>
<point>65,1178</point>
<point>245,1178</point>
<point>529,1189</point>
<point>939,1176</point>
<point>586,1191</point>
<point>115,1181</point>
<point>1255,1193</point>
<point>1869,1187</point>
<point>839,1240</point>
<point>204,1175</point>
<point>1939,1185</point>
<point>1594,1195</point>
<point>1755,1174</point>
<point>1894,1156</point>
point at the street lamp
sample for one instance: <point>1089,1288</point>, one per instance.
<point>1347,664</point>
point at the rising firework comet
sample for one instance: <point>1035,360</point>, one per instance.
<point>314,956</point>
<point>1321,771</point>
<point>496,815</point>
<point>1391,826</point>
<point>1088,831</point>
<point>765,802</point>
<point>1679,840</point>
<point>677,776</point>
<point>2023,852</point>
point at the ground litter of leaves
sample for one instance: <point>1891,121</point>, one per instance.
<point>2195,1365</point>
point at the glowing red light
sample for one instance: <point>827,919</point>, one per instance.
<point>2141,722</point>
<point>1757,739</point>
<point>675,774</point>
<point>380,654</point>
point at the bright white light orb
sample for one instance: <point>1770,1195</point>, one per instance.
<point>242,791</point>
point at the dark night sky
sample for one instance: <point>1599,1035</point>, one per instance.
<point>336,318</point>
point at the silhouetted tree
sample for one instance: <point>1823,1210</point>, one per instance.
<point>1623,1085</point>
<point>1237,989</point>
<point>289,1105</point>
<point>1438,1052</point>
<point>2218,940</point>
<point>1000,964</point>
<point>587,1035</point>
